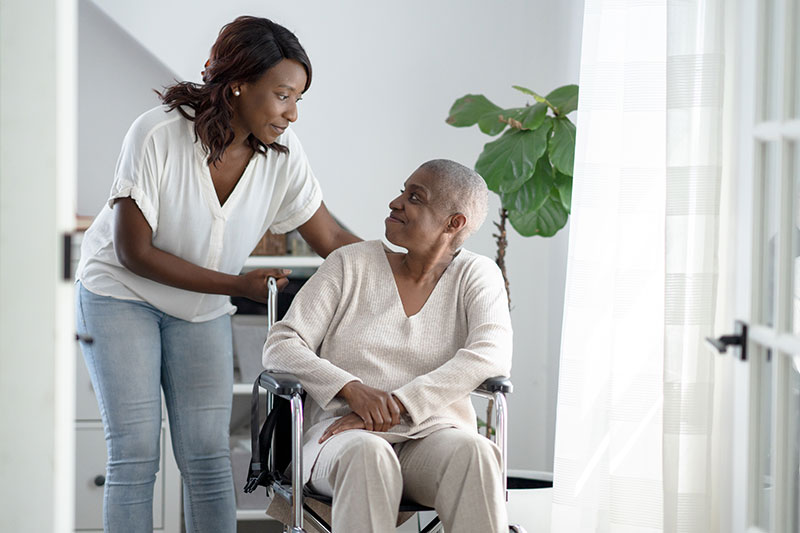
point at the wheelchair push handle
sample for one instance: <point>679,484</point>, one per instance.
<point>272,301</point>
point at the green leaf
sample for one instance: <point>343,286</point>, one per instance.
<point>526,118</point>
<point>512,157</point>
<point>565,99</point>
<point>531,195</point>
<point>490,123</point>
<point>545,221</point>
<point>542,172</point>
<point>562,145</point>
<point>533,116</point>
<point>563,185</point>
<point>530,92</point>
<point>468,109</point>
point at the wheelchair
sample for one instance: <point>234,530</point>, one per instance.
<point>273,454</point>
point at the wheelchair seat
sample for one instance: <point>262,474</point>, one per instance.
<point>273,456</point>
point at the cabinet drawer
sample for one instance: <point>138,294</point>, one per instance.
<point>90,469</point>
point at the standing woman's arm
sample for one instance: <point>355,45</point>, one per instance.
<point>324,234</point>
<point>133,244</point>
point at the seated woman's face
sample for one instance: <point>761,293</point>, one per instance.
<point>416,219</point>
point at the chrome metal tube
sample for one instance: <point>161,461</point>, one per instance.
<point>297,461</point>
<point>272,301</point>
<point>314,522</point>
<point>501,428</point>
<point>483,394</point>
<point>270,454</point>
<point>272,315</point>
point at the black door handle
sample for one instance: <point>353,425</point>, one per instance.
<point>737,339</point>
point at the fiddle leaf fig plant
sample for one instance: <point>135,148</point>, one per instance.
<point>530,165</point>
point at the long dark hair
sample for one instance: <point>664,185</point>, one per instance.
<point>245,49</point>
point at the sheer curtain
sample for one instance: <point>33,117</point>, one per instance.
<point>636,385</point>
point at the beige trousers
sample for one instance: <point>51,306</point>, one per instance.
<point>454,471</point>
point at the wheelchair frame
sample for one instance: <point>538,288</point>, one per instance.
<point>289,388</point>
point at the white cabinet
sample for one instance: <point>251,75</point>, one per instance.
<point>90,466</point>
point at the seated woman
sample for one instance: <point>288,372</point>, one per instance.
<point>389,346</point>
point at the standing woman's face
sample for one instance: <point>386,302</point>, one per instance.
<point>266,107</point>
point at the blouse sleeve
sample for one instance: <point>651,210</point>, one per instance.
<point>137,175</point>
<point>303,195</point>
<point>293,343</point>
<point>486,352</point>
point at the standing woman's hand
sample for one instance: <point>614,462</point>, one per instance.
<point>253,284</point>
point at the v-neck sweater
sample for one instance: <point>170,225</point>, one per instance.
<point>347,324</point>
<point>163,167</point>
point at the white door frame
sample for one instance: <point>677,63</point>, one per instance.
<point>38,71</point>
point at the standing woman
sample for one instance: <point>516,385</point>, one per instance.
<point>198,182</point>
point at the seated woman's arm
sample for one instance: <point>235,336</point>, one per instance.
<point>292,349</point>
<point>486,354</point>
<point>293,342</point>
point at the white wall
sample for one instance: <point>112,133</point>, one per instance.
<point>116,76</point>
<point>385,75</point>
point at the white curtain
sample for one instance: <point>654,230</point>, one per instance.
<point>636,400</point>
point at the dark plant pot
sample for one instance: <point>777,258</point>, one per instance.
<point>515,482</point>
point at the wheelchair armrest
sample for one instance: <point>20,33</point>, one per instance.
<point>283,385</point>
<point>496,384</point>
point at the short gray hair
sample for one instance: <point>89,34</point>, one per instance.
<point>460,190</point>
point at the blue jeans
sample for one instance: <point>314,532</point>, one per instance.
<point>137,351</point>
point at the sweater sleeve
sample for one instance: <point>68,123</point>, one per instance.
<point>485,354</point>
<point>293,343</point>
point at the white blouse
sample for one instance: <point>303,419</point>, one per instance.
<point>163,169</point>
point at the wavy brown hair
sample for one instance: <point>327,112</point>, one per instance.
<point>244,50</point>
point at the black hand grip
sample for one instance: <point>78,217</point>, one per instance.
<point>497,384</point>
<point>280,384</point>
<point>99,480</point>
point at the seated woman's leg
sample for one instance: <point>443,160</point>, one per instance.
<point>361,472</point>
<point>460,475</point>
<point>197,377</point>
<point>124,363</point>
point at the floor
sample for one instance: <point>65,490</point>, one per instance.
<point>529,508</point>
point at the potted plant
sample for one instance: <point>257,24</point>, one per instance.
<point>530,165</point>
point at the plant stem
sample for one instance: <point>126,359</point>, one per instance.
<point>502,244</point>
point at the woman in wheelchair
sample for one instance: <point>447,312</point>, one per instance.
<point>388,346</point>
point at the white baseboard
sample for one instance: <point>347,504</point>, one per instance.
<point>531,474</point>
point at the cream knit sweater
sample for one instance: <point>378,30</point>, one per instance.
<point>348,323</point>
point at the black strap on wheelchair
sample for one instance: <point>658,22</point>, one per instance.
<point>258,473</point>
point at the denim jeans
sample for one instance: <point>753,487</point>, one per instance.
<point>138,351</point>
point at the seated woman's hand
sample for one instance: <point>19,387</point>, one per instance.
<point>348,421</point>
<point>379,410</point>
